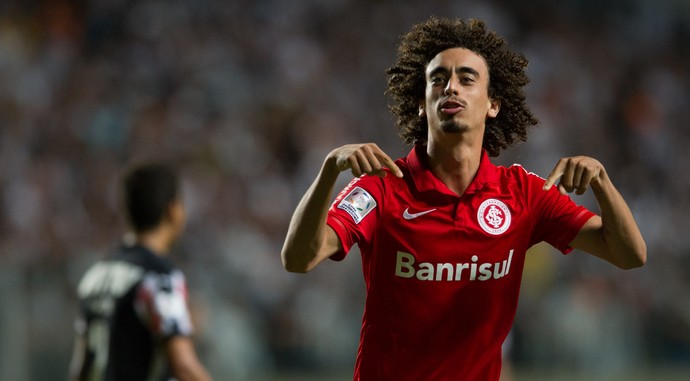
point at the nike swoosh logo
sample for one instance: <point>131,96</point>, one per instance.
<point>409,216</point>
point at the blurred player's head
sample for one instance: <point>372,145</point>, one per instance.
<point>151,198</point>
<point>507,78</point>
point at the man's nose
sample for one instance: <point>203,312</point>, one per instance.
<point>452,86</point>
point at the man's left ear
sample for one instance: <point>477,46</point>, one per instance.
<point>494,108</point>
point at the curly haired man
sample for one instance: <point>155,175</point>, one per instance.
<point>443,232</point>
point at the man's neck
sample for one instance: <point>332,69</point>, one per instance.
<point>156,240</point>
<point>455,165</point>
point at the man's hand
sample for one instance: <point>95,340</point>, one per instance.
<point>576,173</point>
<point>366,158</point>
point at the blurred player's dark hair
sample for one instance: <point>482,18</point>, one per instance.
<point>149,190</point>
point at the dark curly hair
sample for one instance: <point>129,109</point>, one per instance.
<point>507,78</point>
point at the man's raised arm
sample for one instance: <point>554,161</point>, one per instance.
<point>309,239</point>
<point>614,236</point>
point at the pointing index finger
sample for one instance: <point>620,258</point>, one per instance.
<point>554,175</point>
<point>390,164</point>
<point>396,171</point>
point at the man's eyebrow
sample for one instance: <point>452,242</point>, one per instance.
<point>459,70</point>
<point>467,70</point>
<point>438,70</point>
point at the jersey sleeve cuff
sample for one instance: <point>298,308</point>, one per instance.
<point>340,231</point>
<point>578,222</point>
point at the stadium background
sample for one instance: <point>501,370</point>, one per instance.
<point>248,96</point>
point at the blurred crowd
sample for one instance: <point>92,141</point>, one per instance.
<point>247,97</point>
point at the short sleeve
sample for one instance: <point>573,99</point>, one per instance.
<point>558,218</point>
<point>355,212</point>
<point>161,303</point>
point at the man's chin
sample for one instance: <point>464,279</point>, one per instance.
<point>451,127</point>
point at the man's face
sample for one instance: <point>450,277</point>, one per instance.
<point>178,217</point>
<point>456,96</point>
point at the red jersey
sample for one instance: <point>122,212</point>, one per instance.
<point>443,271</point>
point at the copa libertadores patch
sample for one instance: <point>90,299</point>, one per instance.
<point>358,203</point>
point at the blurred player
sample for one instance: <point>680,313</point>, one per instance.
<point>135,322</point>
<point>443,232</point>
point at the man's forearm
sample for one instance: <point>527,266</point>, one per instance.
<point>623,237</point>
<point>306,233</point>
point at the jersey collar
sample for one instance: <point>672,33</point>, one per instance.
<point>426,181</point>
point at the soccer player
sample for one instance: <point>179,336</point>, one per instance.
<point>443,232</point>
<point>135,323</point>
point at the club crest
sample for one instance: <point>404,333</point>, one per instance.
<point>493,216</point>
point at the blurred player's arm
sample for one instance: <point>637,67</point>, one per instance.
<point>161,303</point>
<point>614,236</point>
<point>77,363</point>
<point>309,239</point>
<point>77,371</point>
<point>184,361</point>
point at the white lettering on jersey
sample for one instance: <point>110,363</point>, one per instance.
<point>427,271</point>
<point>112,278</point>
<point>105,282</point>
